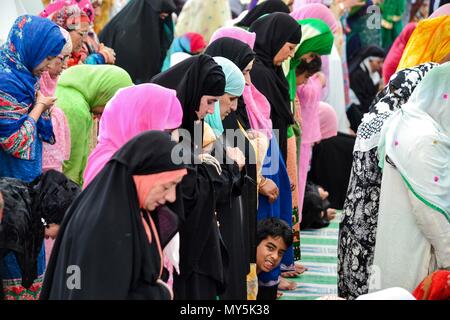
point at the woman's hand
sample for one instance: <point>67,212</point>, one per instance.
<point>237,156</point>
<point>42,104</point>
<point>43,101</point>
<point>108,53</point>
<point>269,189</point>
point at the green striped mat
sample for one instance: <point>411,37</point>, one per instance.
<point>319,255</point>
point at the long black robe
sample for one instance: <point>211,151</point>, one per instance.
<point>362,85</point>
<point>140,38</point>
<point>237,215</point>
<point>203,255</point>
<point>272,32</point>
<point>103,235</point>
<point>331,166</point>
<point>26,204</point>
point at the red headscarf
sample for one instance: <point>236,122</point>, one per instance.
<point>197,41</point>
<point>395,53</point>
<point>434,287</point>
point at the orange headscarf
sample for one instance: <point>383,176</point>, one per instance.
<point>430,42</point>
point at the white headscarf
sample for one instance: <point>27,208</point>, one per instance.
<point>417,140</point>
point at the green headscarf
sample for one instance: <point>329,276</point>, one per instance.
<point>235,84</point>
<point>80,89</point>
<point>316,37</point>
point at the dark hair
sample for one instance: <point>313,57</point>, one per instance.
<point>312,67</point>
<point>274,228</point>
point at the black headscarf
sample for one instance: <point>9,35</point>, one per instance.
<point>241,55</point>
<point>103,232</point>
<point>140,38</point>
<point>272,32</point>
<point>193,78</point>
<point>370,51</point>
<point>266,7</point>
<point>234,50</point>
<point>22,230</point>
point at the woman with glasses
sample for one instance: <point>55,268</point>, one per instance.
<point>77,17</point>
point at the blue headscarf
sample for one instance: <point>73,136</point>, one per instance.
<point>180,44</point>
<point>235,84</point>
<point>30,41</point>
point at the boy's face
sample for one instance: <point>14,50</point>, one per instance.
<point>302,78</point>
<point>269,253</point>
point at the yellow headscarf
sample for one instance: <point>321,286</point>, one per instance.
<point>430,42</point>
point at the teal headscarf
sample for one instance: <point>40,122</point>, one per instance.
<point>316,37</point>
<point>235,84</point>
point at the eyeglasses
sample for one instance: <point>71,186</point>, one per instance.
<point>63,58</point>
<point>83,33</point>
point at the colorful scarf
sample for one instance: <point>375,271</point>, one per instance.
<point>256,104</point>
<point>316,37</point>
<point>234,86</point>
<point>30,41</point>
<point>430,42</point>
<point>417,140</point>
<point>130,112</point>
<point>68,14</point>
<point>190,43</point>
<point>80,89</point>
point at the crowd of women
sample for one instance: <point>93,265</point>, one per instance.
<point>137,163</point>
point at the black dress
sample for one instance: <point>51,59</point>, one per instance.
<point>272,32</point>
<point>203,255</point>
<point>237,213</point>
<point>103,235</point>
<point>140,38</point>
<point>331,165</point>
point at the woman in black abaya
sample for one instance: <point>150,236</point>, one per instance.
<point>115,230</point>
<point>140,34</point>
<point>239,213</point>
<point>199,82</point>
<point>365,80</point>
<point>277,36</point>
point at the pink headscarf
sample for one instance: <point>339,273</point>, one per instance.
<point>395,53</point>
<point>441,11</point>
<point>84,5</point>
<point>130,112</point>
<point>256,104</point>
<point>317,11</point>
<point>236,33</point>
<point>308,10</point>
<point>309,96</point>
<point>328,120</point>
<point>299,3</point>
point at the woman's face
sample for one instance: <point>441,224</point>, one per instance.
<point>246,73</point>
<point>161,193</point>
<point>227,103</point>
<point>43,66</point>
<point>286,52</point>
<point>206,106</point>
<point>78,36</point>
<point>57,66</point>
<point>308,57</point>
<point>376,64</point>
